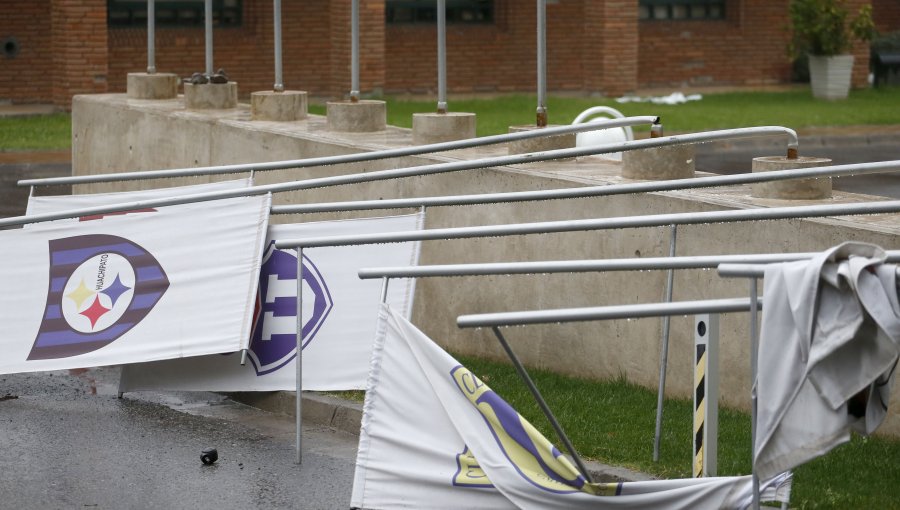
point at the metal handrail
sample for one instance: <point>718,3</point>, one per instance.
<point>548,227</point>
<point>361,156</point>
<point>599,265</point>
<point>594,191</point>
<point>598,313</point>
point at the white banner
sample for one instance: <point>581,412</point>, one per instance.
<point>340,312</point>
<point>59,203</point>
<point>169,282</point>
<point>435,436</point>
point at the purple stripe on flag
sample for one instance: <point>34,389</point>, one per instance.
<point>53,312</point>
<point>64,257</point>
<point>142,301</point>
<point>58,284</point>
<point>148,273</point>
<point>53,338</point>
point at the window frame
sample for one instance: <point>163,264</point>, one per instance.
<point>184,13</point>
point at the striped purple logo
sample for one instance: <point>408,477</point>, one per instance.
<point>101,286</point>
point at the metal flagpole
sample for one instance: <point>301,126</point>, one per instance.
<point>442,55</point>
<point>207,19</point>
<point>151,36</point>
<point>541,62</point>
<point>279,79</point>
<point>354,51</point>
<point>299,357</point>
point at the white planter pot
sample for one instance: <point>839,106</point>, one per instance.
<point>830,76</point>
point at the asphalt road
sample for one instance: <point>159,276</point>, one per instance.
<point>66,441</point>
<point>884,185</point>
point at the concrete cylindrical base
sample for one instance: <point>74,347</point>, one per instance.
<point>659,163</point>
<point>361,117</point>
<point>279,106</point>
<point>210,96</point>
<point>544,143</point>
<point>794,189</point>
<point>442,127</point>
<point>152,86</point>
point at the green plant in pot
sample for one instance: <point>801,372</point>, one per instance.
<point>824,30</point>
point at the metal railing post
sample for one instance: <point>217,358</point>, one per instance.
<point>442,55</point>
<point>354,51</point>
<point>664,349</point>
<point>208,23</point>
<point>151,36</point>
<point>706,395</point>
<point>279,79</point>
<point>299,385</point>
<point>541,63</point>
<point>754,351</point>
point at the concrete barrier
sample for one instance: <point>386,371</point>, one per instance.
<point>112,135</point>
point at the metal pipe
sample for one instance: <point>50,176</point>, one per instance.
<point>208,22</point>
<point>654,220</point>
<point>442,55</point>
<point>299,356</point>
<point>279,78</point>
<point>384,289</point>
<point>354,51</point>
<point>348,158</point>
<point>541,63</point>
<point>592,191</point>
<point>664,350</point>
<point>743,270</point>
<point>151,36</point>
<point>560,433</point>
<point>599,313</point>
<point>754,351</point>
<point>584,266</point>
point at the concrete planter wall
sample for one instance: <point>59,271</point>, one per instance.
<point>830,76</point>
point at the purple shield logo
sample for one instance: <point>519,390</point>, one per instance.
<point>273,343</point>
<point>101,286</point>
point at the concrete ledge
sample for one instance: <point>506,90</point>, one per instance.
<point>152,86</point>
<point>545,143</point>
<point>286,106</point>
<point>659,164</point>
<point>442,127</point>
<point>210,96</point>
<point>360,117</point>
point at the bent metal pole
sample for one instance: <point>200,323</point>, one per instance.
<point>382,154</point>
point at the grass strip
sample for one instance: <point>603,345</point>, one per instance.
<point>35,133</point>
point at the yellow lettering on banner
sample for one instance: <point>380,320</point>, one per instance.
<point>470,473</point>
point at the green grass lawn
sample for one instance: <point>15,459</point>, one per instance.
<point>795,109</point>
<point>35,133</point>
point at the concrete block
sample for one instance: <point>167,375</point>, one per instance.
<point>361,117</point>
<point>152,86</point>
<point>442,127</point>
<point>794,189</point>
<point>210,96</point>
<point>659,163</point>
<point>544,143</point>
<point>284,106</point>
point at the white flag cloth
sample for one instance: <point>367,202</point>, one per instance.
<point>435,436</point>
<point>828,353</point>
<point>340,312</point>
<point>59,203</point>
<point>171,282</point>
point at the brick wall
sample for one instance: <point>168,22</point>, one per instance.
<point>886,14</point>
<point>79,46</point>
<point>26,77</point>
<point>246,52</point>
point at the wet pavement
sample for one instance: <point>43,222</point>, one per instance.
<point>66,441</point>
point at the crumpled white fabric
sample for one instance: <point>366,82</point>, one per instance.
<point>830,329</point>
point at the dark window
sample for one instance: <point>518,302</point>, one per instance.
<point>425,11</point>
<point>172,13</point>
<point>681,9</point>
